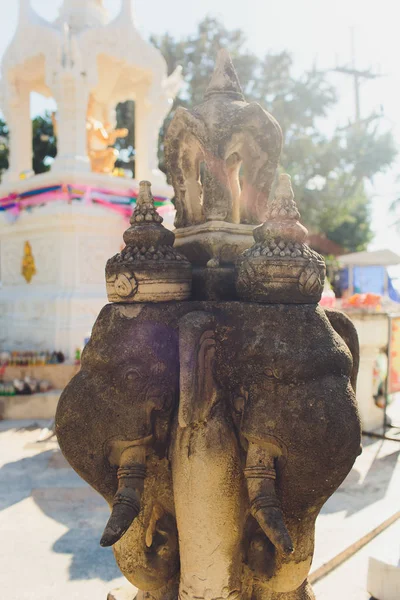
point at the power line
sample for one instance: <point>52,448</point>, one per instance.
<point>358,76</point>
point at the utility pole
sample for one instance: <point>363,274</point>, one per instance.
<point>357,75</point>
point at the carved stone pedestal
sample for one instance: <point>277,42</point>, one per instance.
<point>216,424</point>
<point>257,472</point>
<point>223,242</point>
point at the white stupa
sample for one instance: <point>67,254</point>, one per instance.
<point>82,59</point>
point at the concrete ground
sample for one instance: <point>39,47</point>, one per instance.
<point>369,495</point>
<point>51,522</point>
<point>348,582</point>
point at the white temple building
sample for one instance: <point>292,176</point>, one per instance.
<point>71,217</point>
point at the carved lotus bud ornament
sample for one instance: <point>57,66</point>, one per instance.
<point>280,267</point>
<point>148,269</point>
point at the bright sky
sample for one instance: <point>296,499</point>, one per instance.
<point>312,30</point>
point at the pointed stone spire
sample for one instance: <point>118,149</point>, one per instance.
<point>224,79</point>
<point>146,228</point>
<point>283,206</point>
<point>148,269</point>
<point>280,267</point>
<point>282,218</point>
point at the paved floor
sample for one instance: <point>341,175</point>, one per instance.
<point>369,495</point>
<point>51,522</point>
<point>348,582</point>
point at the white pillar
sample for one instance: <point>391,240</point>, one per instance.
<point>372,329</point>
<point>17,114</point>
<point>142,142</point>
<point>148,121</point>
<point>71,95</point>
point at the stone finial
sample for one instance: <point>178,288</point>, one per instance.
<point>283,205</point>
<point>148,269</point>
<point>280,267</point>
<point>146,224</point>
<point>282,216</point>
<point>224,79</point>
<point>221,158</point>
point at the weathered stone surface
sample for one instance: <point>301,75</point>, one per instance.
<point>218,241</point>
<point>148,269</point>
<point>280,267</point>
<point>259,385</point>
<point>216,283</point>
<point>224,421</point>
<point>223,133</point>
<point>205,149</point>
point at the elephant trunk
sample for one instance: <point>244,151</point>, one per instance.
<point>260,474</point>
<point>126,503</point>
<point>207,472</point>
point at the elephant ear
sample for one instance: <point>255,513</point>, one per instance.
<point>345,328</point>
<point>198,391</point>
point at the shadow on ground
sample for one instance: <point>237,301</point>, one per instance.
<point>62,496</point>
<point>356,492</point>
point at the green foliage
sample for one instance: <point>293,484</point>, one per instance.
<point>394,209</point>
<point>328,171</point>
<point>125,113</point>
<point>329,175</point>
<point>44,144</point>
<point>4,134</point>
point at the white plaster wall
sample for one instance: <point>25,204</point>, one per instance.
<point>372,329</point>
<point>70,245</point>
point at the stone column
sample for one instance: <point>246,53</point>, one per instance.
<point>71,95</point>
<point>17,114</point>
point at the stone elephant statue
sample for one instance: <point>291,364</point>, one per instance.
<point>227,424</point>
<point>267,430</point>
<point>113,425</point>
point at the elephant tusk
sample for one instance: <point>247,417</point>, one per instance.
<point>126,502</point>
<point>270,519</point>
<point>264,503</point>
<point>156,515</point>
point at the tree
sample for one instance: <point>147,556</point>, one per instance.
<point>395,209</point>
<point>328,171</point>
<point>4,134</point>
<point>44,144</point>
<point>125,113</point>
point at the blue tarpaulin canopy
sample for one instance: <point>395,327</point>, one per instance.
<point>366,272</point>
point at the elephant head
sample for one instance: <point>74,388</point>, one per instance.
<point>113,423</point>
<point>219,138</point>
<point>290,378</point>
<point>225,481</point>
<point>253,408</point>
